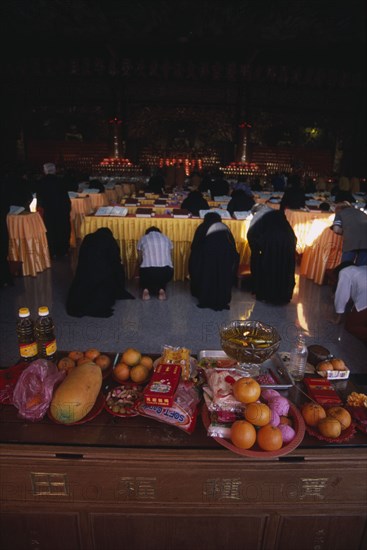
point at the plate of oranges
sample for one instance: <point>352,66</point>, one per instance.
<point>133,366</point>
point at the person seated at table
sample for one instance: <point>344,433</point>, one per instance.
<point>240,202</point>
<point>294,196</point>
<point>273,255</point>
<point>195,202</point>
<point>55,205</point>
<point>99,278</point>
<point>350,300</point>
<point>342,191</point>
<point>96,184</point>
<point>352,224</point>
<point>195,181</point>
<point>213,263</point>
<point>155,261</point>
<point>219,186</point>
<point>156,183</point>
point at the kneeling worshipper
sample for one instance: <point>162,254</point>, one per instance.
<point>273,255</point>
<point>99,279</point>
<point>155,260</point>
<point>213,263</point>
<point>195,202</point>
<point>351,300</point>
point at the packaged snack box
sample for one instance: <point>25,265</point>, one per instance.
<point>163,385</point>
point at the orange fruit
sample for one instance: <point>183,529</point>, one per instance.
<point>269,438</point>
<point>139,373</point>
<point>342,415</point>
<point>146,361</point>
<point>258,414</point>
<point>243,434</point>
<point>83,360</point>
<point>103,361</point>
<point>66,363</point>
<point>75,355</point>
<point>246,390</point>
<point>131,357</point>
<point>312,413</point>
<point>122,372</point>
<point>286,420</point>
<point>92,353</point>
<point>329,427</point>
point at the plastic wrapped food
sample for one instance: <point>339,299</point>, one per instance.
<point>219,388</point>
<point>182,414</point>
<point>33,392</point>
<point>178,356</point>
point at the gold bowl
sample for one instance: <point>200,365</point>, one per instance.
<point>249,341</point>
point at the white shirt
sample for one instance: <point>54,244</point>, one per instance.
<point>156,250</point>
<point>352,284</point>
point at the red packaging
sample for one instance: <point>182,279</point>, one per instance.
<point>163,385</point>
<point>322,391</point>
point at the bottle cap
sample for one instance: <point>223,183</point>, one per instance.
<point>43,310</point>
<point>24,312</point>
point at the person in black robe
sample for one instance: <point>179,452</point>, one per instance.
<point>273,255</point>
<point>55,205</point>
<point>240,202</point>
<point>156,183</point>
<point>195,202</point>
<point>213,263</point>
<point>219,187</point>
<point>99,278</point>
<point>294,196</point>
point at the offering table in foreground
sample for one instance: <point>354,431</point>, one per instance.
<point>135,483</point>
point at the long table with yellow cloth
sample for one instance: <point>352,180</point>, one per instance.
<point>28,242</point>
<point>308,227</point>
<point>127,231</point>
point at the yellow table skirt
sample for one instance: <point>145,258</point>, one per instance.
<point>127,231</point>
<point>28,242</point>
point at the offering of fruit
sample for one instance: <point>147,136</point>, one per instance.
<point>139,373</point>
<point>133,366</point>
<point>92,353</point>
<point>269,438</point>
<point>121,372</point>
<point>103,361</point>
<point>342,415</point>
<point>329,427</point>
<point>131,357</point>
<point>246,390</point>
<point>258,414</point>
<point>66,363</point>
<point>312,413</point>
<point>243,434</point>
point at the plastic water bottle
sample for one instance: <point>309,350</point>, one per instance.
<point>298,359</point>
<point>45,334</point>
<point>26,335</point>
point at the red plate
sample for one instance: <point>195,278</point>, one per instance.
<point>256,452</point>
<point>95,411</point>
<point>344,436</point>
<point>128,389</point>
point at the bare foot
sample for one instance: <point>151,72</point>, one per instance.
<point>162,295</point>
<point>146,295</point>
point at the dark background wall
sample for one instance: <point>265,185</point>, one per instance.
<point>184,75</point>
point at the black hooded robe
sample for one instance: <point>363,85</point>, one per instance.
<point>213,264</point>
<point>99,279</point>
<point>273,257</point>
